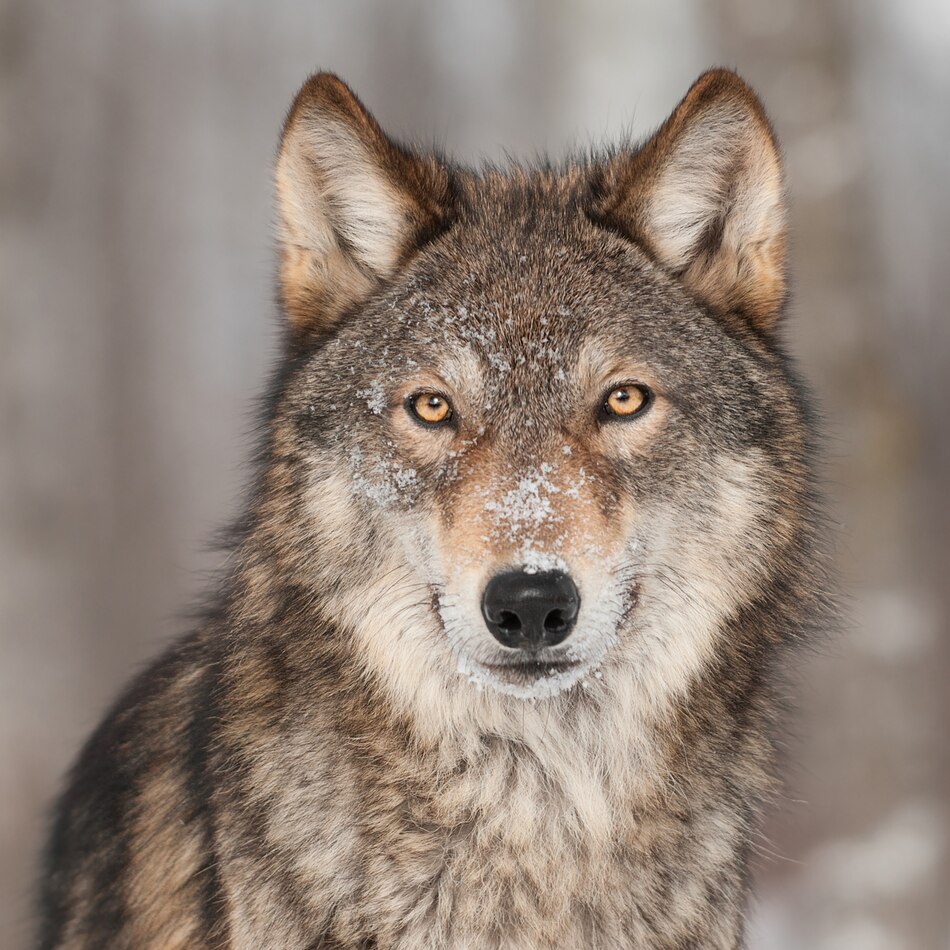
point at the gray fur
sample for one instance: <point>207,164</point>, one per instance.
<point>329,760</point>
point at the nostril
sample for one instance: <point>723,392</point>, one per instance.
<point>509,622</point>
<point>555,621</point>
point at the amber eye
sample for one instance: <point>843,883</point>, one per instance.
<point>430,408</point>
<point>626,401</point>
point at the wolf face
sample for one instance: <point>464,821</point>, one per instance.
<point>550,400</point>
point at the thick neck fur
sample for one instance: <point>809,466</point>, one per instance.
<point>592,817</point>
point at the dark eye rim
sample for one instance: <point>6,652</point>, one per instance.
<point>604,414</point>
<point>410,406</point>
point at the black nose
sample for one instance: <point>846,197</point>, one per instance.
<point>529,611</point>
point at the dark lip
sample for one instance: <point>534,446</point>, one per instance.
<point>531,670</point>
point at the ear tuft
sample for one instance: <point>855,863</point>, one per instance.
<point>352,203</point>
<point>705,198</point>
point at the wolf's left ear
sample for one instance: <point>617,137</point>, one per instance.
<point>353,204</point>
<point>705,198</point>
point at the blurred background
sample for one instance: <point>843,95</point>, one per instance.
<point>137,326</point>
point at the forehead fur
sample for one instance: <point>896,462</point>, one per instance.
<point>523,264</point>
<point>521,232</point>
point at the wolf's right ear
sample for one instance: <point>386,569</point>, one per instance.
<point>352,203</point>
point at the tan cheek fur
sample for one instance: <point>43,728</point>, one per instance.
<point>707,569</point>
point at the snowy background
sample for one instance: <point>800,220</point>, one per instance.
<point>137,325</point>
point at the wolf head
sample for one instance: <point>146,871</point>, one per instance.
<point>538,437</point>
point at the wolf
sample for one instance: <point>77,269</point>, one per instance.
<point>497,658</point>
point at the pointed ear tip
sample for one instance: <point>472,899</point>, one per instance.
<point>721,83</point>
<point>322,89</point>
<point>323,83</point>
<point>721,79</point>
